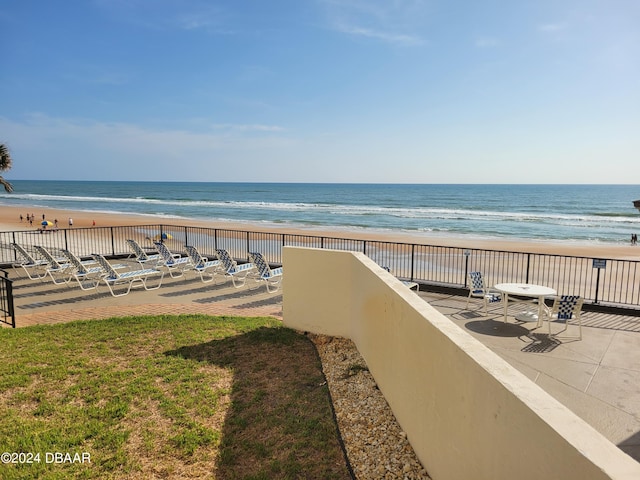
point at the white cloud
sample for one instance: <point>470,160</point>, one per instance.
<point>48,147</point>
<point>393,22</point>
<point>393,38</point>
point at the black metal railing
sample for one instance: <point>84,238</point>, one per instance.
<point>599,281</point>
<point>7,313</point>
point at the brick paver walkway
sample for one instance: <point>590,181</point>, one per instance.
<point>43,303</point>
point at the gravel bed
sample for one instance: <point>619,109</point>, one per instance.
<point>376,445</point>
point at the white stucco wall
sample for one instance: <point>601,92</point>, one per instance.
<point>467,413</point>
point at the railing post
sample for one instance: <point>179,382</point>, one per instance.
<point>597,286</point>
<point>364,247</point>
<point>528,267</point>
<point>113,242</point>
<point>467,254</point>
<point>15,254</point>
<point>7,287</point>
<point>413,251</point>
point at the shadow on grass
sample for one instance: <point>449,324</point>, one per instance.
<point>280,421</point>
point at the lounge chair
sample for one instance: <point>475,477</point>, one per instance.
<point>141,256</point>
<point>567,309</point>
<point>29,263</point>
<point>112,278</point>
<point>202,265</point>
<point>87,274</point>
<point>174,262</point>
<point>271,277</point>
<point>58,269</point>
<point>478,289</point>
<point>231,269</point>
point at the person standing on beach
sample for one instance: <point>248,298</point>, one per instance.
<point>70,222</point>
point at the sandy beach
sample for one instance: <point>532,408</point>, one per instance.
<point>10,221</point>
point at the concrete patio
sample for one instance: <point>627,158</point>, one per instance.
<point>598,377</point>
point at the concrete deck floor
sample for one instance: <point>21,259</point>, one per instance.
<point>597,377</point>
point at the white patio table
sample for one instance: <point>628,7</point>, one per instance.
<point>529,290</point>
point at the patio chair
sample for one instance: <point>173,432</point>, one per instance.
<point>406,283</point>
<point>112,278</point>
<point>567,309</point>
<point>87,276</point>
<point>29,263</point>
<point>478,289</point>
<point>231,269</point>
<point>175,263</point>
<point>202,265</point>
<point>141,256</point>
<point>270,277</point>
<point>59,270</point>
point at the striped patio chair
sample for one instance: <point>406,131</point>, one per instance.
<point>478,289</point>
<point>87,273</point>
<point>270,277</point>
<point>567,309</point>
<point>202,265</point>
<point>58,269</point>
<point>35,268</point>
<point>175,263</point>
<point>112,278</point>
<point>410,285</point>
<point>231,269</point>
<point>141,256</point>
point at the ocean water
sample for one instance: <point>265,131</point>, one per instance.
<point>568,213</point>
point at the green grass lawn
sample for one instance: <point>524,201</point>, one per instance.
<point>165,397</point>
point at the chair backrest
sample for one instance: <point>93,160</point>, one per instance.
<point>261,264</point>
<point>137,250</point>
<point>194,255</point>
<point>105,265</point>
<point>164,252</point>
<point>51,260</point>
<point>75,261</point>
<point>477,282</point>
<point>227,262</point>
<point>21,251</point>
<point>566,306</point>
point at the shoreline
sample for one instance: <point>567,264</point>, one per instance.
<point>10,221</point>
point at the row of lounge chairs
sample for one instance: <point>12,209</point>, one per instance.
<point>64,267</point>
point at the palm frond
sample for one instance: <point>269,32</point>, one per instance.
<point>7,186</point>
<point>5,158</point>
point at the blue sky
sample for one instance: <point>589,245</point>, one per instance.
<point>406,91</point>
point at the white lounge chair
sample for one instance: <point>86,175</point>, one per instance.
<point>270,277</point>
<point>87,274</point>
<point>231,269</point>
<point>29,263</point>
<point>141,256</point>
<point>113,278</point>
<point>174,262</point>
<point>59,271</point>
<point>202,265</point>
<point>478,289</point>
